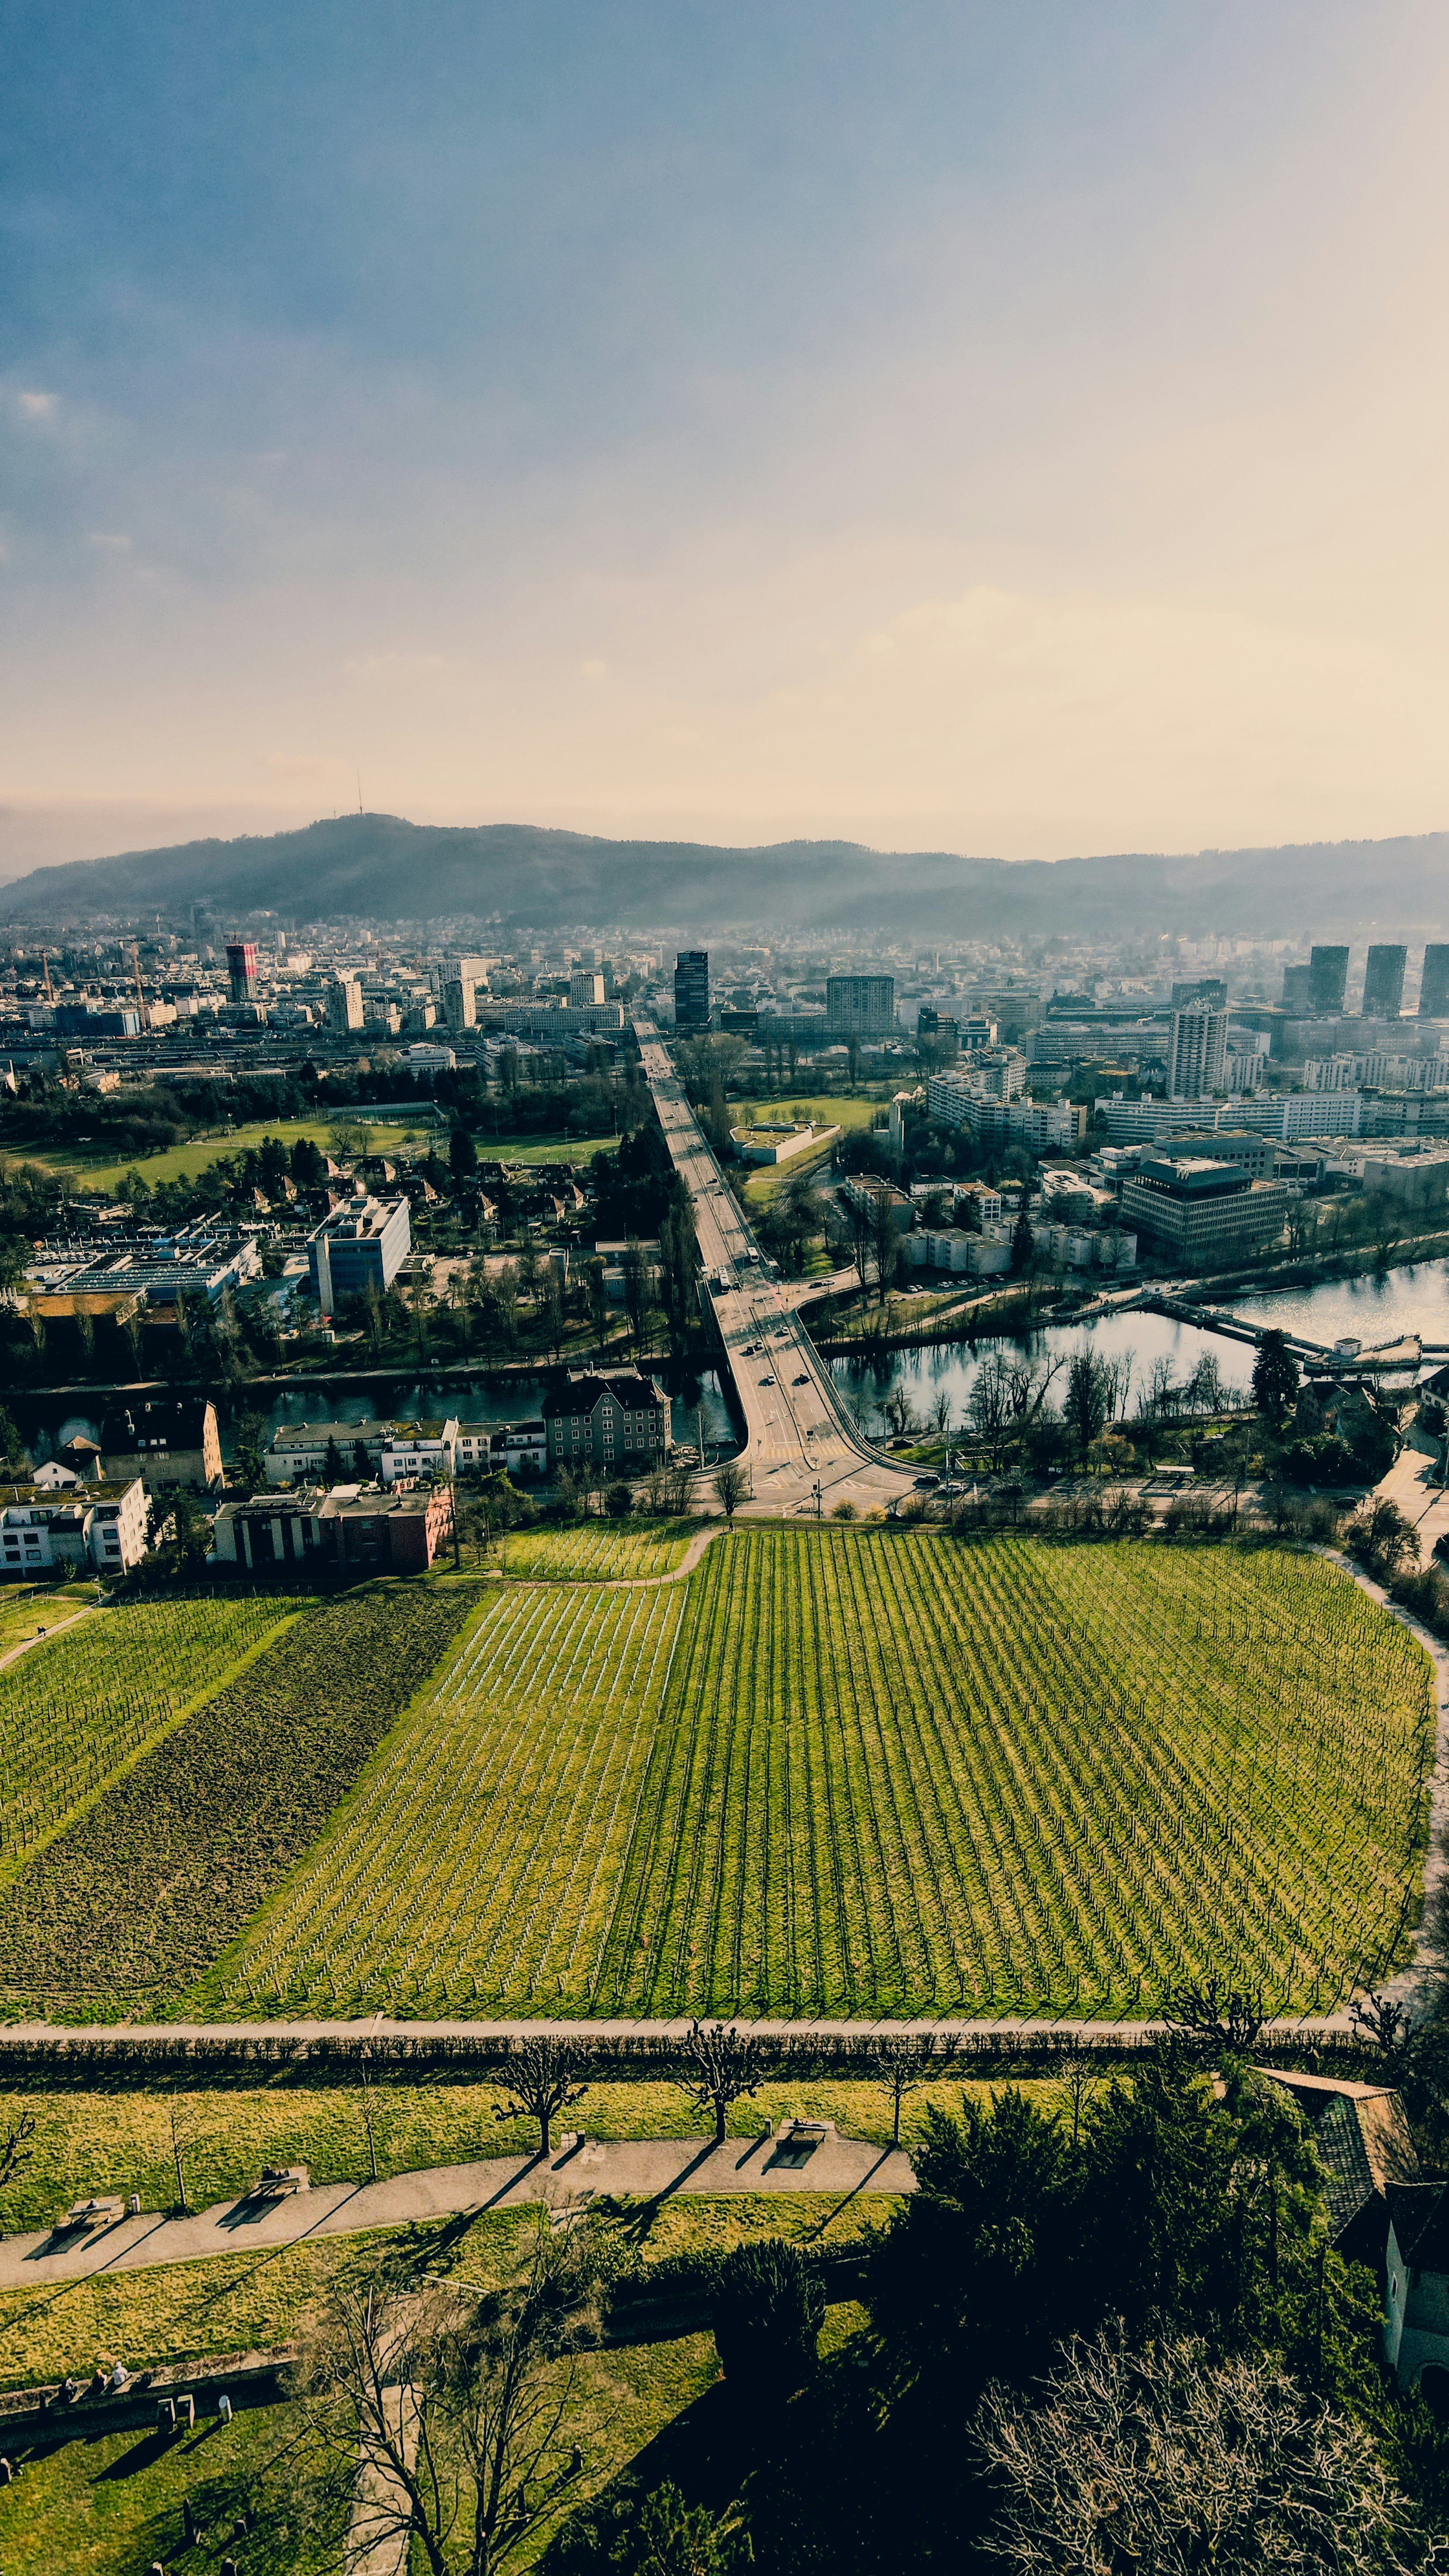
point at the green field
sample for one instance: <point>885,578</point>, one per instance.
<point>547,1149</point>
<point>30,1610</point>
<point>856,1773</point>
<point>75,1712</point>
<point>183,1162</point>
<point>595,1550</point>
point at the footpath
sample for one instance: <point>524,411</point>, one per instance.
<point>576,2172</point>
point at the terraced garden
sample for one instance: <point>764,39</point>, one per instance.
<point>77,1709</point>
<point>849,1773</point>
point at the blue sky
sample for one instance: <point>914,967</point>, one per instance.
<point>1011,428</point>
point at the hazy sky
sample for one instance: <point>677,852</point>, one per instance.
<point>1012,428</point>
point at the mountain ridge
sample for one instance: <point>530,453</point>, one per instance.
<point>525,875</point>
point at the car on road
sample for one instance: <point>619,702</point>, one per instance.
<point>767,1381</point>
<point>926,1484</point>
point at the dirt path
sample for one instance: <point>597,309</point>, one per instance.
<point>639,2168</point>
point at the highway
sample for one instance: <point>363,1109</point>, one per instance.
<point>801,1452</point>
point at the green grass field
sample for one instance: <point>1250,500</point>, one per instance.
<point>548,1149</point>
<point>101,2134</point>
<point>855,1773</point>
<point>183,1162</point>
<point>80,1709</point>
<point>28,1609</point>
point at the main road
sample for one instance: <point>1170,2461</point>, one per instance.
<point>802,1452</point>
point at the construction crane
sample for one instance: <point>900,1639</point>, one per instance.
<point>136,969</point>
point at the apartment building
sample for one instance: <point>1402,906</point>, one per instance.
<point>860,1006</point>
<point>301,1449</point>
<point>419,1449</point>
<point>42,1528</point>
<point>167,1442</point>
<point>1197,1054</point>
<point>1046,1127</point>
<point>362,1244</point>
<point>616,1420</point>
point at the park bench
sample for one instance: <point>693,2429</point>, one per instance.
<point>278,2182</point>
<point>101,2210</point>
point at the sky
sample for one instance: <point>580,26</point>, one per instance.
<point>1016,429</point>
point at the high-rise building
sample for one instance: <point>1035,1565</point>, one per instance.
<point>1383,983</point>
<point>1434,990</point>
<point>241,968</point>
<point>691,989</point>
<point>1327,979</point>
<point>860,1006</point>
<point>1197,1054</point>
<point>344,1005</point>
<point>460,1005</point>
<point>586,990</point>
<point>1206,992</point>
<point>1296,988</point>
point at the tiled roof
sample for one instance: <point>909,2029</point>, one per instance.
<point>1363,2146</point>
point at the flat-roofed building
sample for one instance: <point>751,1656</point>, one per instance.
<point>860,1006</point>
<point>1197,1054</point>
<point>306,1449</point>
<point>1199,1211</point>
<point>1327,982</point>
<point>362,1244</point>
<point>1383,983</point>
<point>104,1526</point>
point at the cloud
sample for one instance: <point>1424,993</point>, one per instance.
<point>104,537</point>
<point>37,406</point>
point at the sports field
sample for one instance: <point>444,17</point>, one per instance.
<point>856,1773</point>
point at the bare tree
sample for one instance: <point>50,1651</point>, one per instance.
<point>720,2066</point>
<point>729,1487</point>
<point>990,1403</point>
<point>1164,2460</point>
<point>903,2061</point>
<point>453,2408</point>
<point>1219,2020</point>
<point>1079,2076</point>
<point>885,1244</point>
<point>541,2084</point>
<point>16,2149</point>
<point>1378,2018</point>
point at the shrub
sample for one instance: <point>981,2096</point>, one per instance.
<point>769,2307</point>
<point>619,1501</point>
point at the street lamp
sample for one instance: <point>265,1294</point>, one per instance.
<point>819,1499</point>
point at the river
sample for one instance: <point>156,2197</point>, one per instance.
<point>1375,1309</point>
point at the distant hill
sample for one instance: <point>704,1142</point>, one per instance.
<point>516,874</point>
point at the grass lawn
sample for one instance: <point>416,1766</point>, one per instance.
<point>825,1109</point>
<point>31,1607</point>
<point>101,2135</point>
<point>861,1773</point>
<point>113,2505</point>
<point>549,1149</point>
<point>183,1162</point>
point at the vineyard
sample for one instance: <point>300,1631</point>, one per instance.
<point>74,1710</point>
<point>481,1855</point>
<point>857,1774</point>
<point>136,1897</point>
<point>595,1551</point>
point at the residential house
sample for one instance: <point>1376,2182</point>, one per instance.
<point>1364,2146</point>
<point>619,1420</point>
<point>396,1533</point>
<point>95,1525</point>
<point>419,1449</point>
<point>299,1449</point>
<point>263,1531</point>
<point>167,1442</point>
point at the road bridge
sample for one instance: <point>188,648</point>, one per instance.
<point>803,1451</point>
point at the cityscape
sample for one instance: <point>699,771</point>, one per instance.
<point>724,1295</point>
